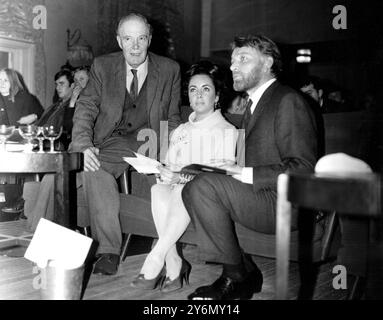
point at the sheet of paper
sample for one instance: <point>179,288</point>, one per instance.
<point>54,242</point>
<point>143,164</point>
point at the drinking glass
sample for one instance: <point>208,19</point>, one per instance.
<point>52,133</point>
<point>28,132</point>
<point>5,133</point>
<point>41,138</point>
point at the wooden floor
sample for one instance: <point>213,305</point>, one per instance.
<point>17,276</point>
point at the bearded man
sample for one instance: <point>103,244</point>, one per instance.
<point>280,135</point>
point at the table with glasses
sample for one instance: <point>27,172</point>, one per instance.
<point>60,163</point>
<point>20,158</point>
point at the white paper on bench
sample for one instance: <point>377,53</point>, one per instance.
<point>54,242</point>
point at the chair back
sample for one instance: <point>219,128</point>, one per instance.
<point>356,194</point>
<point>351,194</point>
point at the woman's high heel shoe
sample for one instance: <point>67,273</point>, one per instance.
<point>173,285</point>
<point>149,284</point>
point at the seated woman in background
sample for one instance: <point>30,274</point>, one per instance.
<point>17,106</point>
<point>206,139</point>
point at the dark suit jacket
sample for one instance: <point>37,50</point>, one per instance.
<point>100,105</point>
<point>59,114</point>
<point>281,136</point>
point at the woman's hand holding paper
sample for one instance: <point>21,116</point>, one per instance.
<point>167,175</point>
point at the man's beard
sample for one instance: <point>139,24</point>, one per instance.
<point>249,80</point>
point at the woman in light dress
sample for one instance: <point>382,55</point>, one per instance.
<point>208,139</point>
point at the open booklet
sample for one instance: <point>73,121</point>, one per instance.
<point>149,166</point>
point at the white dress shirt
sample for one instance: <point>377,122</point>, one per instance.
<point>142,72</point>
<point>247,172</point>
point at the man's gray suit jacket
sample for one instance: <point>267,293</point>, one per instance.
<point>100,106</point>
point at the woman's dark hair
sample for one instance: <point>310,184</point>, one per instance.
<point>212,71</point>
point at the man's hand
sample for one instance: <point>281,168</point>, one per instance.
<point>75,93</point>
<point>167,176</point>
<point>30,118</point>
<point>236,171</point>
<point>91,162</point>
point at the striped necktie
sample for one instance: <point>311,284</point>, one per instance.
<point>134,85</point>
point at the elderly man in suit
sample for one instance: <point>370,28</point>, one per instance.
<point>280,135</point>
<point>127,91</point>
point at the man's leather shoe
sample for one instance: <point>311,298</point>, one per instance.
<point>107,264</point>
<point>225,288</point>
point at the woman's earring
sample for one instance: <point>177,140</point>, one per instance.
<point>216,105</point>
